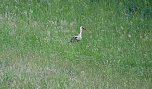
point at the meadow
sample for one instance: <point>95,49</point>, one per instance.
<point>115,52</point>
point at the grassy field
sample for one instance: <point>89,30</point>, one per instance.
<point>115,52</point>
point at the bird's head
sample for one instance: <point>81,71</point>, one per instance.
<point>82,28</point>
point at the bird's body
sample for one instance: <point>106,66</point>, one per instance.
<point>75,39</point>
<point>78,37</point>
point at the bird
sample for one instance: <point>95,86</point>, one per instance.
<point>78,37</point>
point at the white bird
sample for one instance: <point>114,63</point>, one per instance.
<point>78,37</point>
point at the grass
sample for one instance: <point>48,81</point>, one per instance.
<point>115,52</point>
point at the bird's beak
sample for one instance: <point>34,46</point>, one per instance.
<point>84,29</point>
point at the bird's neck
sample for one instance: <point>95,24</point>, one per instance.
<point>80,34</point>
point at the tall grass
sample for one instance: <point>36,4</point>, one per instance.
<point>115,52</point>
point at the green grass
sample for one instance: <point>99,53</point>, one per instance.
<point>115,52</point>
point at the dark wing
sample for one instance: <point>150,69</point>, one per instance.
<point>74,39</point>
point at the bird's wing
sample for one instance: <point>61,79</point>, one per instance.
<point>73,39</point>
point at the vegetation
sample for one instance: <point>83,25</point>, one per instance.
<point>115,52</point>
